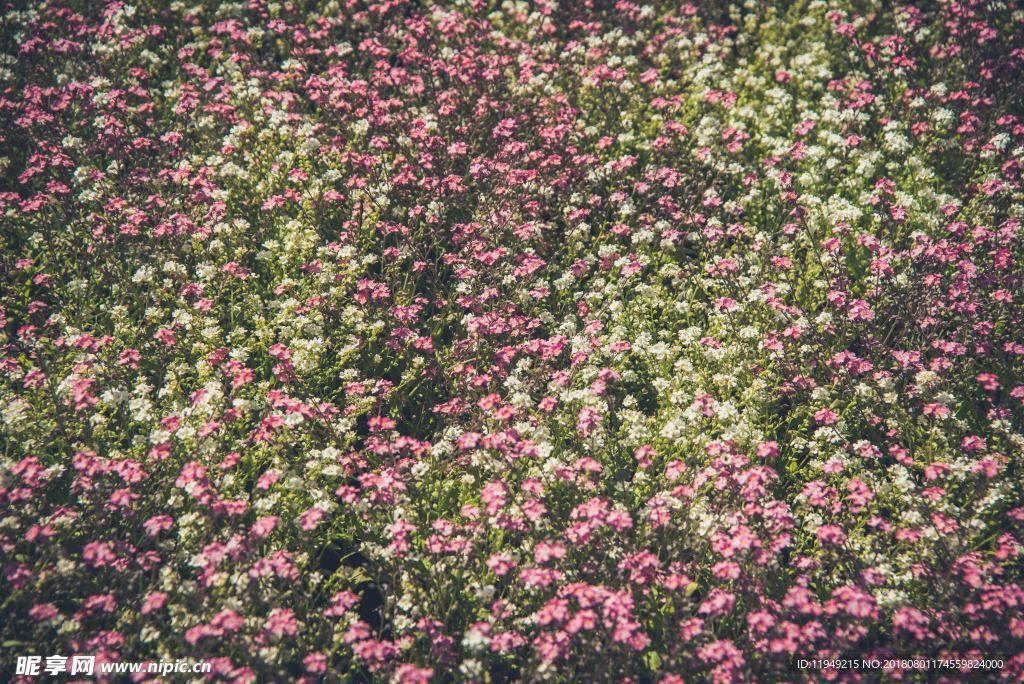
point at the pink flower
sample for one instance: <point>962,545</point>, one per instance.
<point>267,479</point>
<point>154,601</point>
<point>831,534</point>
<point>494,495</point>
<point>381,423</point>
<point>725,304</point>
<point>42,612</point>
<point>281,622</point>
<point>643,454</point>
<point>826,416</point>
<point>341,602</point>
<point>311,518</point>
<point>98,554</point>
<point>717,604</point>
<point>264,526</point>
<point>973,443</point>
<point>165,335</point>
<point>501,564</point>
<point>504,129</point>
<point>407,673</point>
<point>587,421</point>
<point>545,552</point>
<point>860,311</point>
<point>691,628</point>
<point>315,663</point>
<point>158,524</point>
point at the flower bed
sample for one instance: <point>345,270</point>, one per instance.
<point>473,341</point>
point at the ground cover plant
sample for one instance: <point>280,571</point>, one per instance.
<point>504,341</point>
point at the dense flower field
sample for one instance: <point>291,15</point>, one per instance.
<point>507,341</point>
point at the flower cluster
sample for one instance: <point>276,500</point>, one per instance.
<point>405,341</point>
